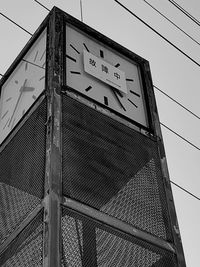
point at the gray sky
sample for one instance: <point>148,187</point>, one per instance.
<point>171,71</point>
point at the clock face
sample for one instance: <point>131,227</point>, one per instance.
<point>23,86</point>
<point>104,75</point>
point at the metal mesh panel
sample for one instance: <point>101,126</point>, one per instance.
<point>22,167</point>
<point>26,249</point>
<point>112,168</point>
<point>88,243</point>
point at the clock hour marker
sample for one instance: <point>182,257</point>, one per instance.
<point>36,54</point>
<point>101,54</point>
<point>74,49</point>
<point>88,88</point>
<point>71,58</point>
<point>42,78</point>
<point>13,124</point>
<point>129,80</point>
<point>6,124</point>
<point>105,100</point>
<point>4,115</point>
<point>42,55</point>
<point>75,72</point>
<point>133,103</point>
<point>116,96</point>
<point>43,65</point>
<point>34,97</point>
<point>132,92</point>
<point>86,47</point>
<point>8,99</point>
<point>117,65</point>
<point>26,66</point>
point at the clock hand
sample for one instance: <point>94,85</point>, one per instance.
<point>17,103</point>
<point>116,96</point>
<point>119,93</point>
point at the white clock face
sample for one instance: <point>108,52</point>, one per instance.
<point>23,86</point>
<point>128,101</point>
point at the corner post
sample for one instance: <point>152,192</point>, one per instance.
<point>53,182</point>
<point>166,179</point>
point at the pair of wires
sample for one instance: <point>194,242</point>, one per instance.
<point>185,12</point>
<point>154,85</point>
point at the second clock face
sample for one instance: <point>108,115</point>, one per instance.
<point>22,88</point>
<point>105,76</point>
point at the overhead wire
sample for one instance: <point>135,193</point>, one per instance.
<point>159,34</point>
<point>22,28</point>
<point>180,136</point>
<point>154,85</point>
<point>185,12</point>
<point>178,103</point>
<point>172,22</point>
<point>182,188</point>
<point>42,5</point>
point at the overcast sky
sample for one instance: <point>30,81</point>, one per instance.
<point>171,71</point>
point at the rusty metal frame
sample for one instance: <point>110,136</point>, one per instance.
<point>53,182</point>
<point>173,222</point>
<point>116,223</point>
<point>55,86</point>
<point>28,219</point>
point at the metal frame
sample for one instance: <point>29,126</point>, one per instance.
<point>117,224</point>
<point>55,87</point>
<point>53,182</point>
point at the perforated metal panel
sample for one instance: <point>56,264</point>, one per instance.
<point>26,249</point>
<point>89,243</point>
<point>112,168</point>
<point>22,168</point>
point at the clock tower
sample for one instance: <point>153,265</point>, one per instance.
<point>83,176</point>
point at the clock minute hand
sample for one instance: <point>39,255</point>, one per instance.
<point>17,103</point>
<point>116,96</point>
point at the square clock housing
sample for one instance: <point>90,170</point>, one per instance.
<point>105,75</point>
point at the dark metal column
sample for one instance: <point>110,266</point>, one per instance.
<point>166,179</point>
<point>53,153</point>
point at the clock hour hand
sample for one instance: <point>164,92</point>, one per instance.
<point>27,89</point>
<point>17,103</point>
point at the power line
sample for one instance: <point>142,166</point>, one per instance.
<point>172,23</point>
<point>192,113</point>
<point>42,5</point>
<point>183,138</point>
<point>185,12</point>
<point>188,192</point>
<point>15,23</point>
<point>160,35</point>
